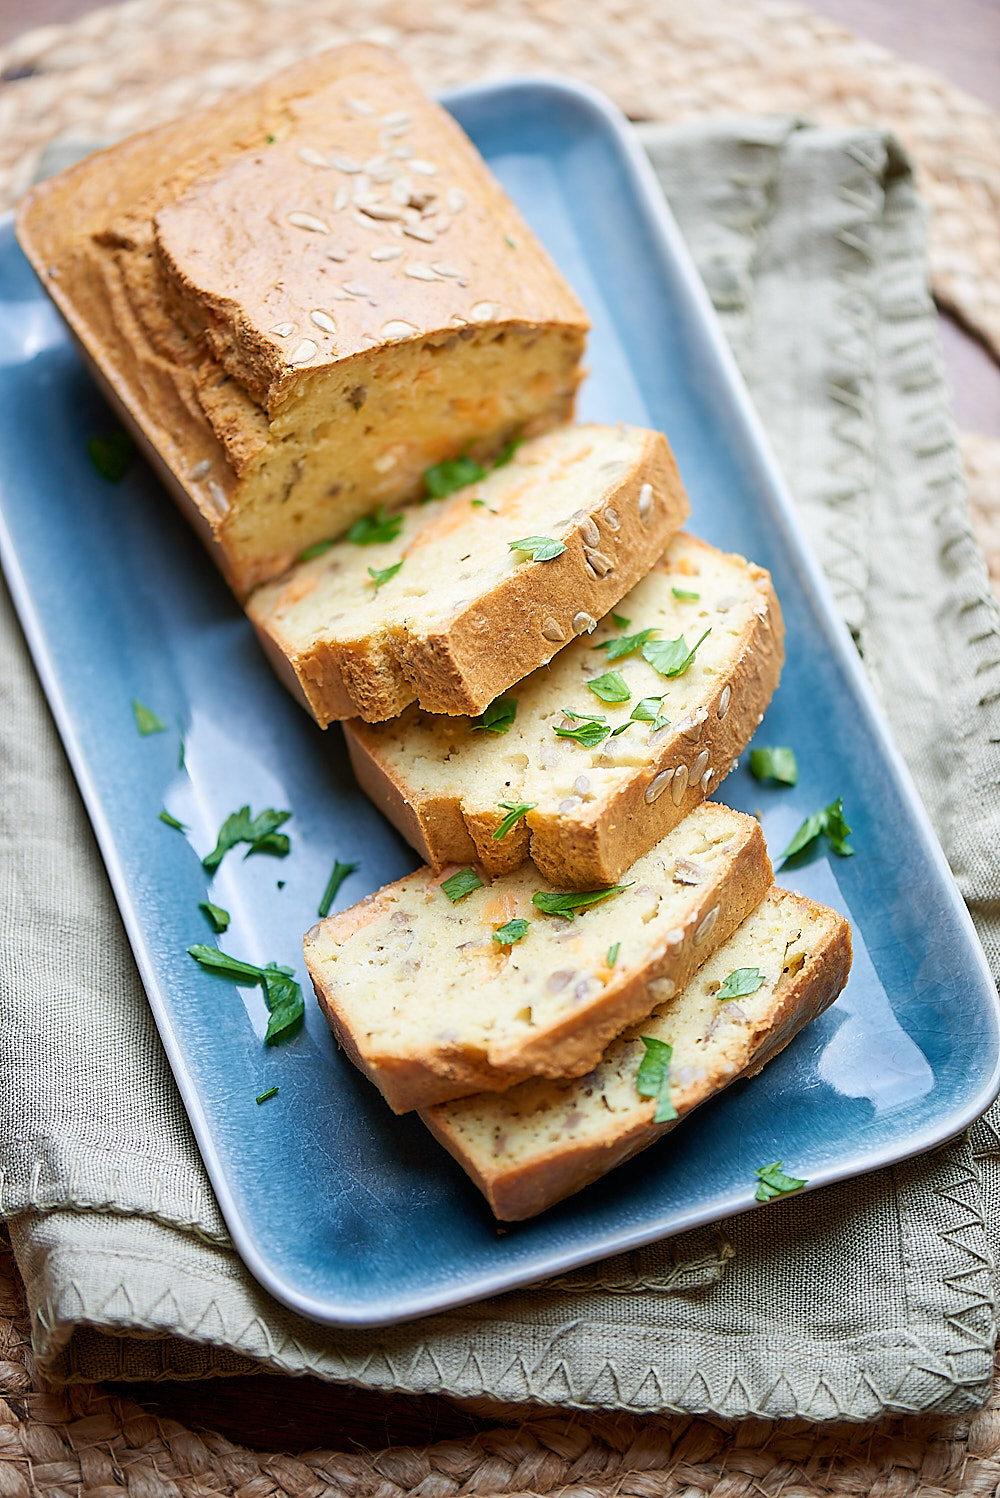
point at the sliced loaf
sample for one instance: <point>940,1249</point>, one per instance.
<point>435,1000</point>
<point>532,1146</point>
<point>442,610</point>
<point>447,784</point>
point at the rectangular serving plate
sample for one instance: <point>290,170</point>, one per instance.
<point>344,1212</point>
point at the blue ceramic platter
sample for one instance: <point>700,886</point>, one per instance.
<point>344,1212</point>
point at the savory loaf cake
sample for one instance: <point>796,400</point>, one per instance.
<point>305,296</point>
<point>438,987</point>
<point>438,604</point>
<point>604,750</point>
<point>532,1146</point>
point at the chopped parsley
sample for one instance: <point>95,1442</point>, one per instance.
<point>282,994</point>
<point>259,831</point>
<point>589,732</point>
<point>380,575</point>
<point>539,548</point>
<point>497,718</point>
<point>515,811</point>
<point>774,1182</point>
<point>684,596</point>
<point>372,530</point>
<point>461,884</point>
<point>146,720</point>
<point>611,687</point>
<point>624,645</point>
<point>336,879</point>
<point>507,240</point>
<point>221,962</point>
<point>741,982</point>
<point>829,821</point>
<point>671,657</point>
<point>550,903</point>
<point>506,453</point>
<point>217,917</point>
<point>653,1077</point>
<point>263,1097</point>
<point>648,711</point>
<point>173,822</point>
<point>512,932</point>
<point>774,764</point>
<point>112,455</point>
<point>613,953</point>
<point>316,550</point>
<point>619,621</point>
<point>454,473</point>
<point>181,751</point>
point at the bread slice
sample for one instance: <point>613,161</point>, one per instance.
<point>303,297</point>
<point>430,1004</point>
<point>594,810</point>
<point>464,616</point>
<point>532,1146</point>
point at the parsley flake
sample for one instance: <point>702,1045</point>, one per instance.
<point>336,879</point>
<point>181,751</point>
<point>221,962</point>
<point>146,720</point>
<point>624,645</point>
<point>506,453</point>
<point>112,455</point>
<point>740,983</point>
<point>613,953</point>
<point>316,550</point>
<point>774,764</point>
<point>671,657</point>
<point>263,1097</point>
<point>539,548</point>
<point>684,596</point>
<point>454,473</point>
<point>619,621</point>
<point>611,687</point>
<point>653,1077</point>
<point>774,1182</point>
<point>283,997</point>
<point>512,932</point>
<point>372,530</point>
<point>380,575</point>
<point>515,811</point>
<point>218,918</point>
<point>828,821</point>
<point>508,240</point>
<point>461,884</point>
<point>173,822</point>
<point>497,718</point>
<point>259,831</point>
<point>551,903</point>
<point>588,733</point>
<point>648,711</point>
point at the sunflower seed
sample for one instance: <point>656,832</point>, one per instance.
<point>338,295</point>
<point>589,532</point>
<point>357,289</point>
<point>601,564</point>
<point>680,784</point>
<point>308,221</point>
<point>323,320</point>
<point>645,502</point>
<point>384,212</point>
<point>706,925</point>
<point>384,463</point>
<point>345,164</point>
<point>444,269</point>
<point>311,157</point>
<point>305,351</point>
<point>403,153</point>
<point>485,312</point>
<point>420,272</point>
<point>283,329</point>
<point>584,623</point>
<point>706,780</point>
<point>551,631</point>
<point>334,252</point>
<point>660,989</point>
<point>686,871</point>
<point>581,785</point>
<point>570,804</point>
<point>658,785</point>
<point>611,519</point>
<point>455,199</point>
<point>358,106</point>
<point>385,252</point>
<point>341,198</point>
<point>724,701</point>
<point>691,724</point>
<point>374,162</point>
<point>218,494</point>
<point>425,168</point>
<point>398,117</point>
<point>698,768</point>
<point>366,223</point>
<point>735,765</point>
<point>400,191</point>
<point>396,329</point>
<point>421,232</point>
<point>383,174</point>
<point>201,470</point>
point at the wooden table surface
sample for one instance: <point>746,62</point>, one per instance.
<point>961,40</point>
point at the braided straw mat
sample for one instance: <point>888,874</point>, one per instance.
<point>125,67</point>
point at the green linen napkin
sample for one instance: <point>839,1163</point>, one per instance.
<point>872,1295</point>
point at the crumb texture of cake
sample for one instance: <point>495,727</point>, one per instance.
<point>531,1147</point>
<point>595,798</point>
<point>304,297</point>
<point>443,611</point>
<point>435,1000</point>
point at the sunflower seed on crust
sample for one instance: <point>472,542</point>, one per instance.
<point>385,252</point>
<point>323,320</point>
<point>420,272</point>
<point>303,352</point>
<point>421,232</point>
<point>283,329</point>
<point>311,157</point>
<point>395,329</point>
<point>345,164</point>
<point>308,221</point>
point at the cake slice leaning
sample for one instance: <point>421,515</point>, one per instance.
<point>439,988</point>
<point>452,602</point>
<point>528,1148</point>
<point>589,762</point>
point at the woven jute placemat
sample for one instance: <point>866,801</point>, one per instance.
<point>124,67</point>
